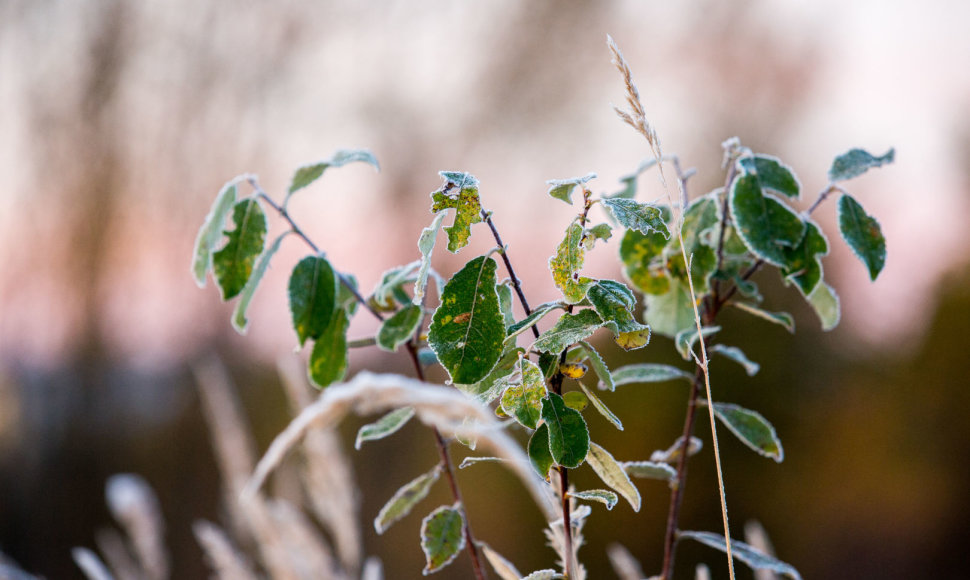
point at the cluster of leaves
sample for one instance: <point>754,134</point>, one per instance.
<point>537,385</point>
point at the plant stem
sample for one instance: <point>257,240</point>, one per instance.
<point>516,283</point>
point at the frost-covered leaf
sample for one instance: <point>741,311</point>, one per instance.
<point>567,263</point>
<point>751,428</point>
<point>233,264</point>
<point>387,425</point>
<point>643,217</point>
<point>765,224</point>
<point>685,339</point>
<point>549,363</point>
<point>612,474</point>
<point>405,498</point>
<point>614,303</point>
<point>575,400</point>
<point>441,537</point>
<point>737,355</point>
<point>855,162</point>
<point>629,182</point>
<point>825,302</point>
<point>539,453</point>
<point>504,291</point>
<point>649,470</point>
<point>211,231</point>
<point>523,395</point>
<point>547,574</point>
<point>328,359</point>
<point>569,329</point>
<point>239,321</point>
<point>391,285</point>
<point>473,459</point>
<point>537,313</point>
<point>700,232</point>
<point>640,254</point>
<point>672,454</point>
<point>598,365</point>
<point>773,174</point>
<point>307,174</point>
<point>490,388</point>
<point>399,328</point>
<point>426,246</point>
<point>598,232</point>
<point>505,569</point>
<point>863,234</point>
<point>568,434</point>
<point>649,373</point>
<point>671,312</point>
<point>602,408</point>
<point>781,318</point>
<point>563,188</point>
<point>467,329</point>
<point>313,297</point>
<point>743,552</point>
<point>803,263</point>
<point>603,496</point>
<point>461,194</point>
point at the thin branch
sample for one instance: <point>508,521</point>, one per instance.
<point>516,283</point>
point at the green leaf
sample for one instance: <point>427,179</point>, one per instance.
<point>599,366</point>
<point>614,303</point>
<point>686,338</point>
<point>765,224</point>
<point>863,234</point>
<point>504,291</point>
<point>211,231</point>
<point>465,202</point>
<point>749,555</point>
<point>781,318</point>
<point>387,425</point>
<point>669,313</point>
<point>601,495</point>
<point>563,188</point>
<point>490,388</point>
<point>441,537</point>
<point>602,408</point>
<point>612,474</point>
<point>751,428</point>
<point>700,232</point>
<point>405,498</point>
<point>737,355</point>
<point>313,297</point>
<point>855,162</point>
<point>569,329</point>
<point>567,263</point>
<point>307,174</point>
<point>239,321</point>
<point>649,373</point>
<point>537,313</point>
<point>825,302</point>
<point>539,453</point>
<point>630,181</point>
<point>649,470</point>
<point>773,174</point>
<point>399,328</point>
<point>568,434</point>
<point>328,359</point>
<point>803,264</point>
<point>575,400</point>
<point>598,232</point>
<point>549,363</point>
<point>391,283</point>
<point>642,265</point>
<point>233,264</point>
<point>523,395</point>
<point>425,245</point>
<point>643,217</point>
<point>467,329</point>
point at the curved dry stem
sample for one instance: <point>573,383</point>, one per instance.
<point>435,405</point>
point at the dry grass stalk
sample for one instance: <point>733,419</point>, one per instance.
<point>135,506</point>
<point>224,559</point>
<point>435,405</point>
<point>624,564</point>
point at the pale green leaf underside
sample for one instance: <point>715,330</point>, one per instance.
<point>405,498</point>
<point>473,459</point>
<point>462,196</point>
<point>612,474</point>
<point>825,302</point>
<point>685,339</point>
<point>672,453</point>
<point>239,321</point>
<point>307,174</point>
<point>546,574</point>
<point>737,355</point>
<point>671,312</point>
<point>649,373</point>
<point>649,470</point>
<point>505,569</point>
<point>643,217</point>
<point>539,454</point>
<point>598,366</point>
<point>765,224</point>
<point>387,425</point>
<point>773,174</point>
<point>233,264</point>
<point>569,329</point>
<point>567,263</point>
<point>467,330</point>
<point>391,283</point>
<point>752,429</point>
<point>855,162</point>
<point>328,359</point>
<point>563,188</point>
<point>399,328</point>
<point>603,496</point>
<point>745,553</point>
<point>441,537</point>
<point>504,291</point>
<point>863,234</point>
<point>211,231</point>
<point>784,319</point>
<point>630,181</point>
<point>602,408</point>
<point>313,297</point>
<point>426,243</point>
<point>568,434</point>
<point>537,313</point>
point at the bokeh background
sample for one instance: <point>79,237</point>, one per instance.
<point>120,120</point>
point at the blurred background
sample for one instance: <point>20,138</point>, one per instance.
<point>120,120</point>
